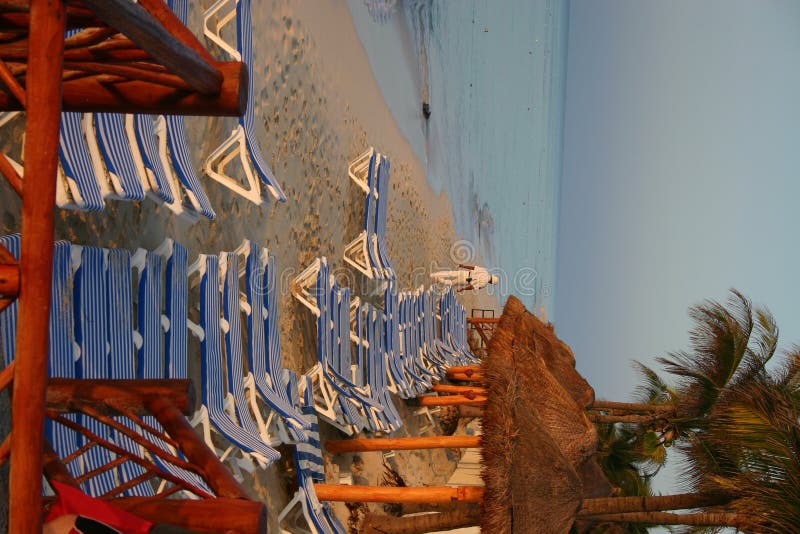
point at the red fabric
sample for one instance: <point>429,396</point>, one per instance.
<point>73,501</point>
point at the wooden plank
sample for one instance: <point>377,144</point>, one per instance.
<point>142,28</point>
<point>43,82</point>
<point>129,395</point>
<point>6,376</point>
<point>92,93</point>
<point>447,388</point>
<point>55,470</point>
<point>11,83</point>
<point>210,515</point>
<point>219,479</point>
<point>9,279</point>
<point>163,14</point>
<point>431,494</point>
<point>5,450</point>
<point>91,436</point>
<point>451,400</point>
<point>11,175</point>
<point>401,444</point>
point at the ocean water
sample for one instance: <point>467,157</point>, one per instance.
<point>493,73</point>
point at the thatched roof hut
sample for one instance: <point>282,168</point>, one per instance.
<point>535,435</point>
<point>557,355</point>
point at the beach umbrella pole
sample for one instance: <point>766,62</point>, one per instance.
<point>401,444</point>
<point>431,494</point>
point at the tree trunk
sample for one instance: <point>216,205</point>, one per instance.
<point>633,408</point>
<point>470,411</point>
<point>635,419</point>
<point>708,519</point>
<point>681,501</point>
<point>419,524</point>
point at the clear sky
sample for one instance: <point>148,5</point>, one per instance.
<point>681,174</point>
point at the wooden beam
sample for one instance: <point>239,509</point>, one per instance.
<point>142,28</point>
<point>432,494</point>
<point>11,83</point>
<point>466,369</point>
<point>6,376</point>
<point>164,15</point>
<point>483,320</point>
<point>219,479</point>
<point>9,279</point>
<point>129,395</point>
<point>43,82</point>
<point>5,450</point>
<point>10,173</point>
<point>78,17</point>
<point>401,444</point>
<point>209,515</point>
<point>90,93</point>
<point>450,400</point>
<point>55,470</point>
<point>463,377</point>
<point>116,449</point>
<point>447,388</point>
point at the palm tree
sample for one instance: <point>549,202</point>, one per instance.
<point>753,446</point>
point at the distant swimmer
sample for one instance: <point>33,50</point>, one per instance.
<point>426,110</point>
<point>467,277</point>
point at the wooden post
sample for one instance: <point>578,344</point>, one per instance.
<point>449,388</point>
<point>92,93</point>
<point>401,444</point>
<point>466,369</point>
<point>450,400</point>
<point>432,494</point>
<point>109,396</point>
<point>474,377</point>
<point>463,390</point>
<point>43,83</point>
<point>219,479</point>
<point>483,320</point>
<point>55,470</point>
<point>214,515</point>
<point>9,279</point>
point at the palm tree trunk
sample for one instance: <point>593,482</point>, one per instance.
<point>635,419</point>
<point>681,501</point>
<point>632,408</point>
<point>419,524</point>
<point>708,519</point>
<point>470,411</point>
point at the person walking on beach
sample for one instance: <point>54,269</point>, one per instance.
<point>467,277</point>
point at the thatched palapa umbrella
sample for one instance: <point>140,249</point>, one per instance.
<point>537,443</point>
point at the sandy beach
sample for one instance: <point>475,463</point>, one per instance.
<point>317,107</point>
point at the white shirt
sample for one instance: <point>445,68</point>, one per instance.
<point>478,277</point>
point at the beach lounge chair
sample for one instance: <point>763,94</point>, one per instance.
<point>242,142</point>
<point>216,393</point>
<point>421,378</point>
<point>62,349</point>
<point>174,147</point>
<point>376,369</point>
<point>382,205</point>
<point>109,147</point>
<point>336,398</point>
<point>155,327</point>
<point>360,253</point>
<point>304,512</point>
<point>147,136</point>
<point>399,382</point>
<point>264,348</point>
<point>86,190</point>
<point>91,335</point>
